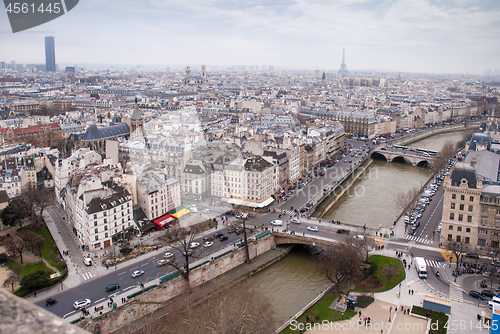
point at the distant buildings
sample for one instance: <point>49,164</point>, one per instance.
<point>50,54</point>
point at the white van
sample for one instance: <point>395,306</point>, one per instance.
<point>87,261</point>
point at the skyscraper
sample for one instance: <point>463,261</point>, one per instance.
<point>50,54</point>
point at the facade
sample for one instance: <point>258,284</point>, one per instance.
<point>102,212</point>
<point>50,54</point>
<point>157,194</point>
<point>46,135</point>
<point>462,208</point>
<point>195,180</point>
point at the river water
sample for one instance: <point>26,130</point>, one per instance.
<point>291,283</point>
<point>371,200</point>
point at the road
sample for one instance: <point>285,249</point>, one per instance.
<point>95,289</point>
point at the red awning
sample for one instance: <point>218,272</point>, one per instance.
<point>163,220</point>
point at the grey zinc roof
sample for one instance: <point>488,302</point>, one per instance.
<point>94,133</point>
<point>480,139</point>
<point>486,165</point>
<point>457,175</point>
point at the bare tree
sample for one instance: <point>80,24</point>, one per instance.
<point>11,280</point>
<point>457,248</point>
<point>241,309</point>
<point>16,246</point>
<point>33,240</point>
<point>244,227</point>
<point>466,136</point>
<point>343,263</point>
<point>406,199</point>
<point>446,153</point>
<point>184,241</point>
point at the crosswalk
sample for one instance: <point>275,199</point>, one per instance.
<point>432,263</point>
<point>288,212</point>
<point>456,293</point>
<point>87,276</point>
<point>417,239</point>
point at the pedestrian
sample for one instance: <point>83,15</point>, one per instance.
<point>34,296</point>
<point>360,314</point>
<point>412,292</point>
<point>404,311</point>
<point>409,291</point>
<point>390,309</point>
<point>478,317</point>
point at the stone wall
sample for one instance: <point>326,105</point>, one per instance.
<point>153,300</point>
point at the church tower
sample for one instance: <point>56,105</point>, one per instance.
<point>136,124</point>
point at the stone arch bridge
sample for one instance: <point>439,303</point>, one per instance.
<point>405,156</point>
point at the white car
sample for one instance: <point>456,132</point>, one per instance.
<point>313,228</point>
<point>208,244</point>
<point>194,244</point>
<point>194,210</point>
<point>168,255</point>
<point>137,273</point>
<point>206,211</point>
<point>295,221</point>
<point>277,222</point>
<point>81,303</point>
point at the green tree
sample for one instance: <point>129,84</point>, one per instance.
<point>36,280</point>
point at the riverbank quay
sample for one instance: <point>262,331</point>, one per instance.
<point>139,312</point>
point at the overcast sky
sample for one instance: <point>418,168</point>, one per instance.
<point>438,36</point>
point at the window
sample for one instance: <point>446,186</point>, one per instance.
<point>471,198</point>
<point>462,197</point>
<point>95,223</point>
<point>450,237</point>
<point>95,215</point>
<point>469,219</point>
<point>460,218</point>
<point>482,232</point>
<point>452,216</point>
<point>459,238</point>
<point>471,208</point>
<point>104,214</point>
<point>453,196</point>
<point>452,206</point>
<point>450,227</point>
<point>467,240</point>
<point>497,222</point>
<point>462,207</point>
<point>96,237</point>
<point>459,228</point>
<point>95,230</point>
<point>467,230</point>
<point>481,242</point>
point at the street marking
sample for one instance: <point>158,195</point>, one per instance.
<point>133,268</point>
<point>97,301</point>
<point>67,314</point>
<point>145,264</point>
<point>130,287</point>
<point>122,273</point>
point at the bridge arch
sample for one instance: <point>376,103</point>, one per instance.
<point>424,163</point>
<point>378,156</point>
<point>402,159</point>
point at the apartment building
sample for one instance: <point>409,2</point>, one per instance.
<point>157,194</point>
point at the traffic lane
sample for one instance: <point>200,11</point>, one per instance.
<point>95,289</point>
<point>430,215</point>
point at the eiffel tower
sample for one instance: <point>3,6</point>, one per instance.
<point>343,69</point>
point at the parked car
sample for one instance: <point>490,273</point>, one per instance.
<point>343,231</point>
<point>277,222</point>
<point>295,221</point>
<point>168,255</point>
<point>218,234</point>
<point>208,244</point>
<point>112,287</point>
<point>50,302</point>
<point>206,211</point>
<point>81,303</point>
<point>208,239</point>
<point>223,237</point>
<point>137,273</point>
<point>313,228</point>
<point>477,295</point>
<point>229,213</point>
<point>194,244</point>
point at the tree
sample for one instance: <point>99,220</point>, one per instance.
<point>457,248</point>
<point>342,263</point>
<point>466,136</point>
<point>446,153</point>
<point>244,227</point>
<point>33,240</point>
<point>15,246</point>
<point>406,199</point>
<point>11,280</point>
<point>15,212</point>
<point>36,280</point>
<point>184,238</point>
<point>241,308</point>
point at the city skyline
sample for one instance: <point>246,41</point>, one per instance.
<point>401,35</point>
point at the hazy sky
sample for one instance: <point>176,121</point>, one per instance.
<point>450,36</point>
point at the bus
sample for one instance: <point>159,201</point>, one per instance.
<point>421,267</point>
<point>423,150</point>
<point>400,147</point>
